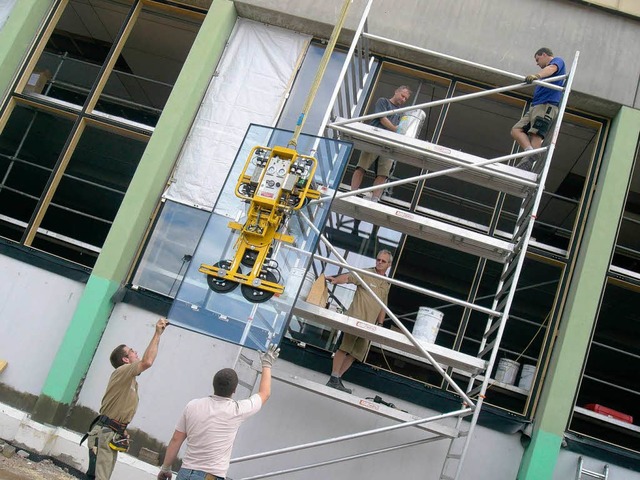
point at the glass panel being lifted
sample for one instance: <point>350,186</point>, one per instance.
<point>252,257</point>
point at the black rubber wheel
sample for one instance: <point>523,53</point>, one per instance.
<point>255,295</point>
<point>249,258</point>
<point>222,285</point>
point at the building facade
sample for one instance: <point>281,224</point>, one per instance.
<point>120,121</point>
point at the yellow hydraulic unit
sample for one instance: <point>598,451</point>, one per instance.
<point>275,182</point>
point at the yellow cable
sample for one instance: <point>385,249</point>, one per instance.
<point>320,73</point>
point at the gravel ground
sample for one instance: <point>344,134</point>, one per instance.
<point>35,467</point>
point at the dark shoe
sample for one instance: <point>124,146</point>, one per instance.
<point>335,382</point>
<point>344,389</point>
<point>525,164</point>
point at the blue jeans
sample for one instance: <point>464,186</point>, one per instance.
<point>187,474</point>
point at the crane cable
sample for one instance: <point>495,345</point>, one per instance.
<point>320,73</point>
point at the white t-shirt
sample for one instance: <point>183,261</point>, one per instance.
<point>211,424</point>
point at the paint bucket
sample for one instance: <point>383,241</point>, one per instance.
<point>507,371</point>
<point>307,283</point>
<point>296,277</point>
<point>411,123</point>
<point>527,375</point>
<point>427,324</point>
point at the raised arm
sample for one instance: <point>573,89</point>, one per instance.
<point>151,352</point>
<point>267,358</point>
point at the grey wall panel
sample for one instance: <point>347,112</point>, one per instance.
<point>500,33</point>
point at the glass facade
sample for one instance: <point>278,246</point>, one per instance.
<point>78,122</point>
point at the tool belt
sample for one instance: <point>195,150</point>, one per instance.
<point>118,427</point>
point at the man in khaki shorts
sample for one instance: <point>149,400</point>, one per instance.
<point>532,128</point>
<point>363,307</point>
<point>385,164</point>
<point>108,435</point>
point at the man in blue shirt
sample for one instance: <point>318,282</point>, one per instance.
<point>530,131</point>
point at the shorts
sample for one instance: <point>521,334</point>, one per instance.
<point>357,347</point>
<point>538,119</point>
<point>385,165</point>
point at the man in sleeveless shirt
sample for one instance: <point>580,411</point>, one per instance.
<point>119,404</point>
<point>364,307</point>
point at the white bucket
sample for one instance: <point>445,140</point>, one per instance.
<point>507,371</point>
<point>527,375</point>
<point>295,278</point>
<point>427,324</point>
<point>411,123</point>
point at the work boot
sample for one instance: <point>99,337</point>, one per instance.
<point>335,382</point>
<point>345,389</point>
<point>527,163</point>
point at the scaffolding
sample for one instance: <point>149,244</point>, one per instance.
<point>498,174</point>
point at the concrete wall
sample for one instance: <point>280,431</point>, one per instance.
<point>499,33</point>
<point>35,309</point>
<point>568,465</point>
<point>184,369</point>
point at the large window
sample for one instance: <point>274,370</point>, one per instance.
<point>626,258</point>
<point>78,122</point>
<point>610,377</point>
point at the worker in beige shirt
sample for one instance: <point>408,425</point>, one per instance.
<point>363,307</point>
<point>107,435</point>
<point>210,424</point>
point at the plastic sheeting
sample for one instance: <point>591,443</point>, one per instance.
<point>253,78</point>
<point>5,9</point>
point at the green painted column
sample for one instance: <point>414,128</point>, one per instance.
<point>17,35</point>
<point>576,325</point>
<point>92,314</point>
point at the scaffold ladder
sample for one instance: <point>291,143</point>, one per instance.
<point>582,471</point>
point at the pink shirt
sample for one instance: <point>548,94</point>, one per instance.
<point>211,424</point>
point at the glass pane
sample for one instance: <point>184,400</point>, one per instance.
<point>78,47</point>
<point>149,64</point>
<point>627,254</point>
<point>526,336</point>
<point>30,145</point>
<point>572,159</point>
<point>262,256</point>
<point>300,90</point>
<point>170,248</point>
<point>92,188</point>
<point>610,377</point>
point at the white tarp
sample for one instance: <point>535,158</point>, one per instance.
<point>5,10</point>
<point>253,78</point>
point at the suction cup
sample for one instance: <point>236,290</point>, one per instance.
<point>222,285</point>
<point>256,295</point>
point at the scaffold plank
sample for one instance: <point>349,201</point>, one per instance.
<point>452,236</point>
<point>364,404</point>
<point>430,156</point>
<point>444,356</point>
